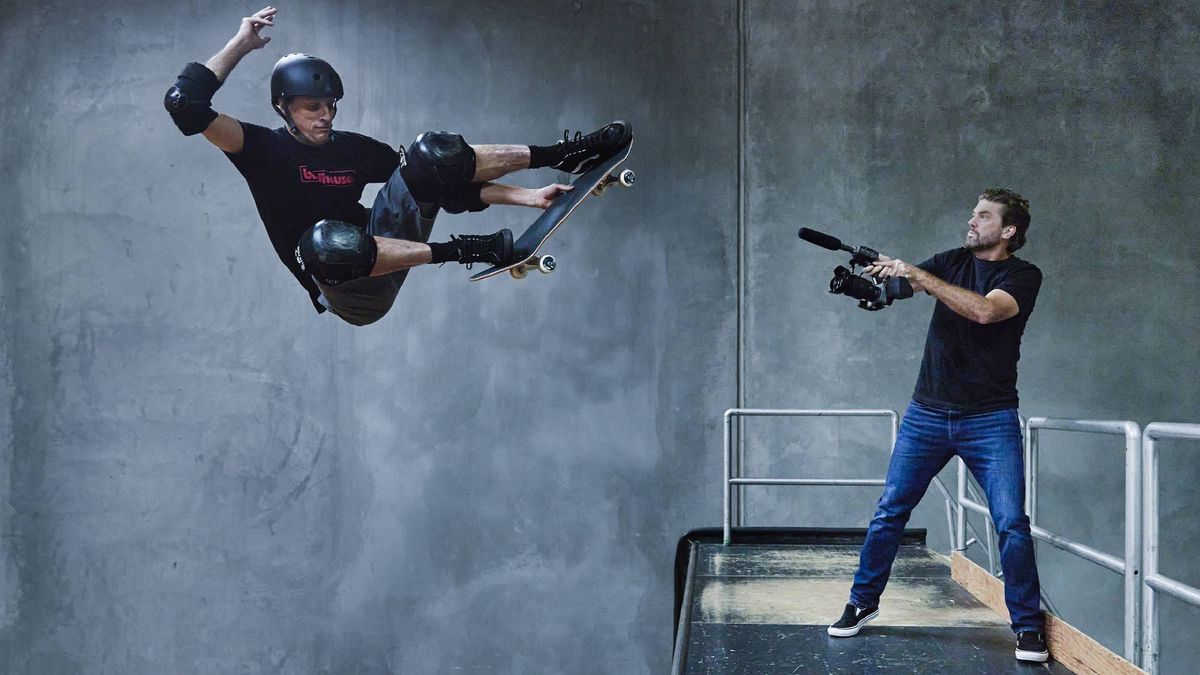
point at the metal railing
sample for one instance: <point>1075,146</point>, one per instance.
<point>734,454</point>
<point>1128,567</point>
<point>1152,581</point>
<point>1138,566</point>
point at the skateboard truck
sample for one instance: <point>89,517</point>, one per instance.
<point>542,263</point>
<point>625,178</point>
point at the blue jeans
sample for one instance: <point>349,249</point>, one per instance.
<point>990,445</point>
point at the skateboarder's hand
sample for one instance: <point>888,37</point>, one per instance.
<point>542,198</point>
<point>248,33</point>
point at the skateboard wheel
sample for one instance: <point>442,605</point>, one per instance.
<point>546,264</point>
<point>627,177</point>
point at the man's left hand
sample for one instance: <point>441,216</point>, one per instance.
<point>543,197</point>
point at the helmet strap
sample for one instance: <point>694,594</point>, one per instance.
<point>282,110</point>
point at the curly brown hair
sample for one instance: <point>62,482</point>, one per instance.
<point>1016,213</point>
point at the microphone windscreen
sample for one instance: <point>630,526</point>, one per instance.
<point>820,239</point>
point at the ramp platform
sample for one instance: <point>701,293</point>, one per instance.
<point>763,607</point>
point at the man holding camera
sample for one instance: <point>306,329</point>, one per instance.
<point>306,179</point>
<point>965,403</point>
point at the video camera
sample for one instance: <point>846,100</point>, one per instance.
<point>871,292</point>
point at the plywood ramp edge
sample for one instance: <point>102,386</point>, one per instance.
<point>1068,645</point>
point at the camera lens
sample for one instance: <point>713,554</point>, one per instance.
<point>845,282</point>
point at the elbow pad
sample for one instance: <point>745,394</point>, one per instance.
<point>190,100</point>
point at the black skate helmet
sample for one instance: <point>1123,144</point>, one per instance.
<point>302,75</point>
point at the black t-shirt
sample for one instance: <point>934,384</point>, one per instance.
<point>972,367</point>
<point>295,185</point>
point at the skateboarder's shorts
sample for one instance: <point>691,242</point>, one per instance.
<point>397,215</point>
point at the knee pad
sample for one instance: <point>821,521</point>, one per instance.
<point>333,252</point>
<point>438,161</point>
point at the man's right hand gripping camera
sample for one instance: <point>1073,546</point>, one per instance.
<point>872,293</point>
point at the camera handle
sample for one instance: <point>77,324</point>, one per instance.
<point>862,256</point>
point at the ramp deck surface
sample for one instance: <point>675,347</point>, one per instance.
<point>758,609</point>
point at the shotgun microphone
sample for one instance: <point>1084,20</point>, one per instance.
<point>823,240</point>
<point>860,255</point>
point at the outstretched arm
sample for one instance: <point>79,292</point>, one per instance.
<point>497,193</point>
<point>996,306</point>
<point>190,100</point>
<point>246,40</point>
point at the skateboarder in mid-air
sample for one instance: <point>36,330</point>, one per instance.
<point>306,179</point>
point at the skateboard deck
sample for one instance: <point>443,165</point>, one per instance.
<point>525,249</point>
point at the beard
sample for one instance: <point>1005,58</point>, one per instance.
<point>977,242</point>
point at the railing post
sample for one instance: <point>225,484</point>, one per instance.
<point>1149,551</point>
<point>962,512</point>
<point>1031,473</point>
<point>725,485</point>
<point>1133,542</point>
<point>739,468</point>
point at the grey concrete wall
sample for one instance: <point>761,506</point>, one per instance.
<point>202,475</point>
<point>199,474</point>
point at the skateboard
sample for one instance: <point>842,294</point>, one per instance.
<point>594,181</point>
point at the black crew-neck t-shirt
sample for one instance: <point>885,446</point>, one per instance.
<point>294,185</point>
<point>971,367</point>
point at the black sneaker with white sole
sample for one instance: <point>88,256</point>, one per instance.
<point>493,249</point>
<point>853,619</point>
<point>1031,646</point>
<point>581,152</point>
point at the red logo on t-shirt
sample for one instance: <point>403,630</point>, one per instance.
<point>334,178</point>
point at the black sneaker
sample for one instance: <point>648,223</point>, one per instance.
<point>584,152</point>
<point>853,619</point>
<point>494,249</point>
<point>1031,646</point>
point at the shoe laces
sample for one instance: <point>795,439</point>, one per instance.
<point>472,245</point>
<point>579,138</point>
